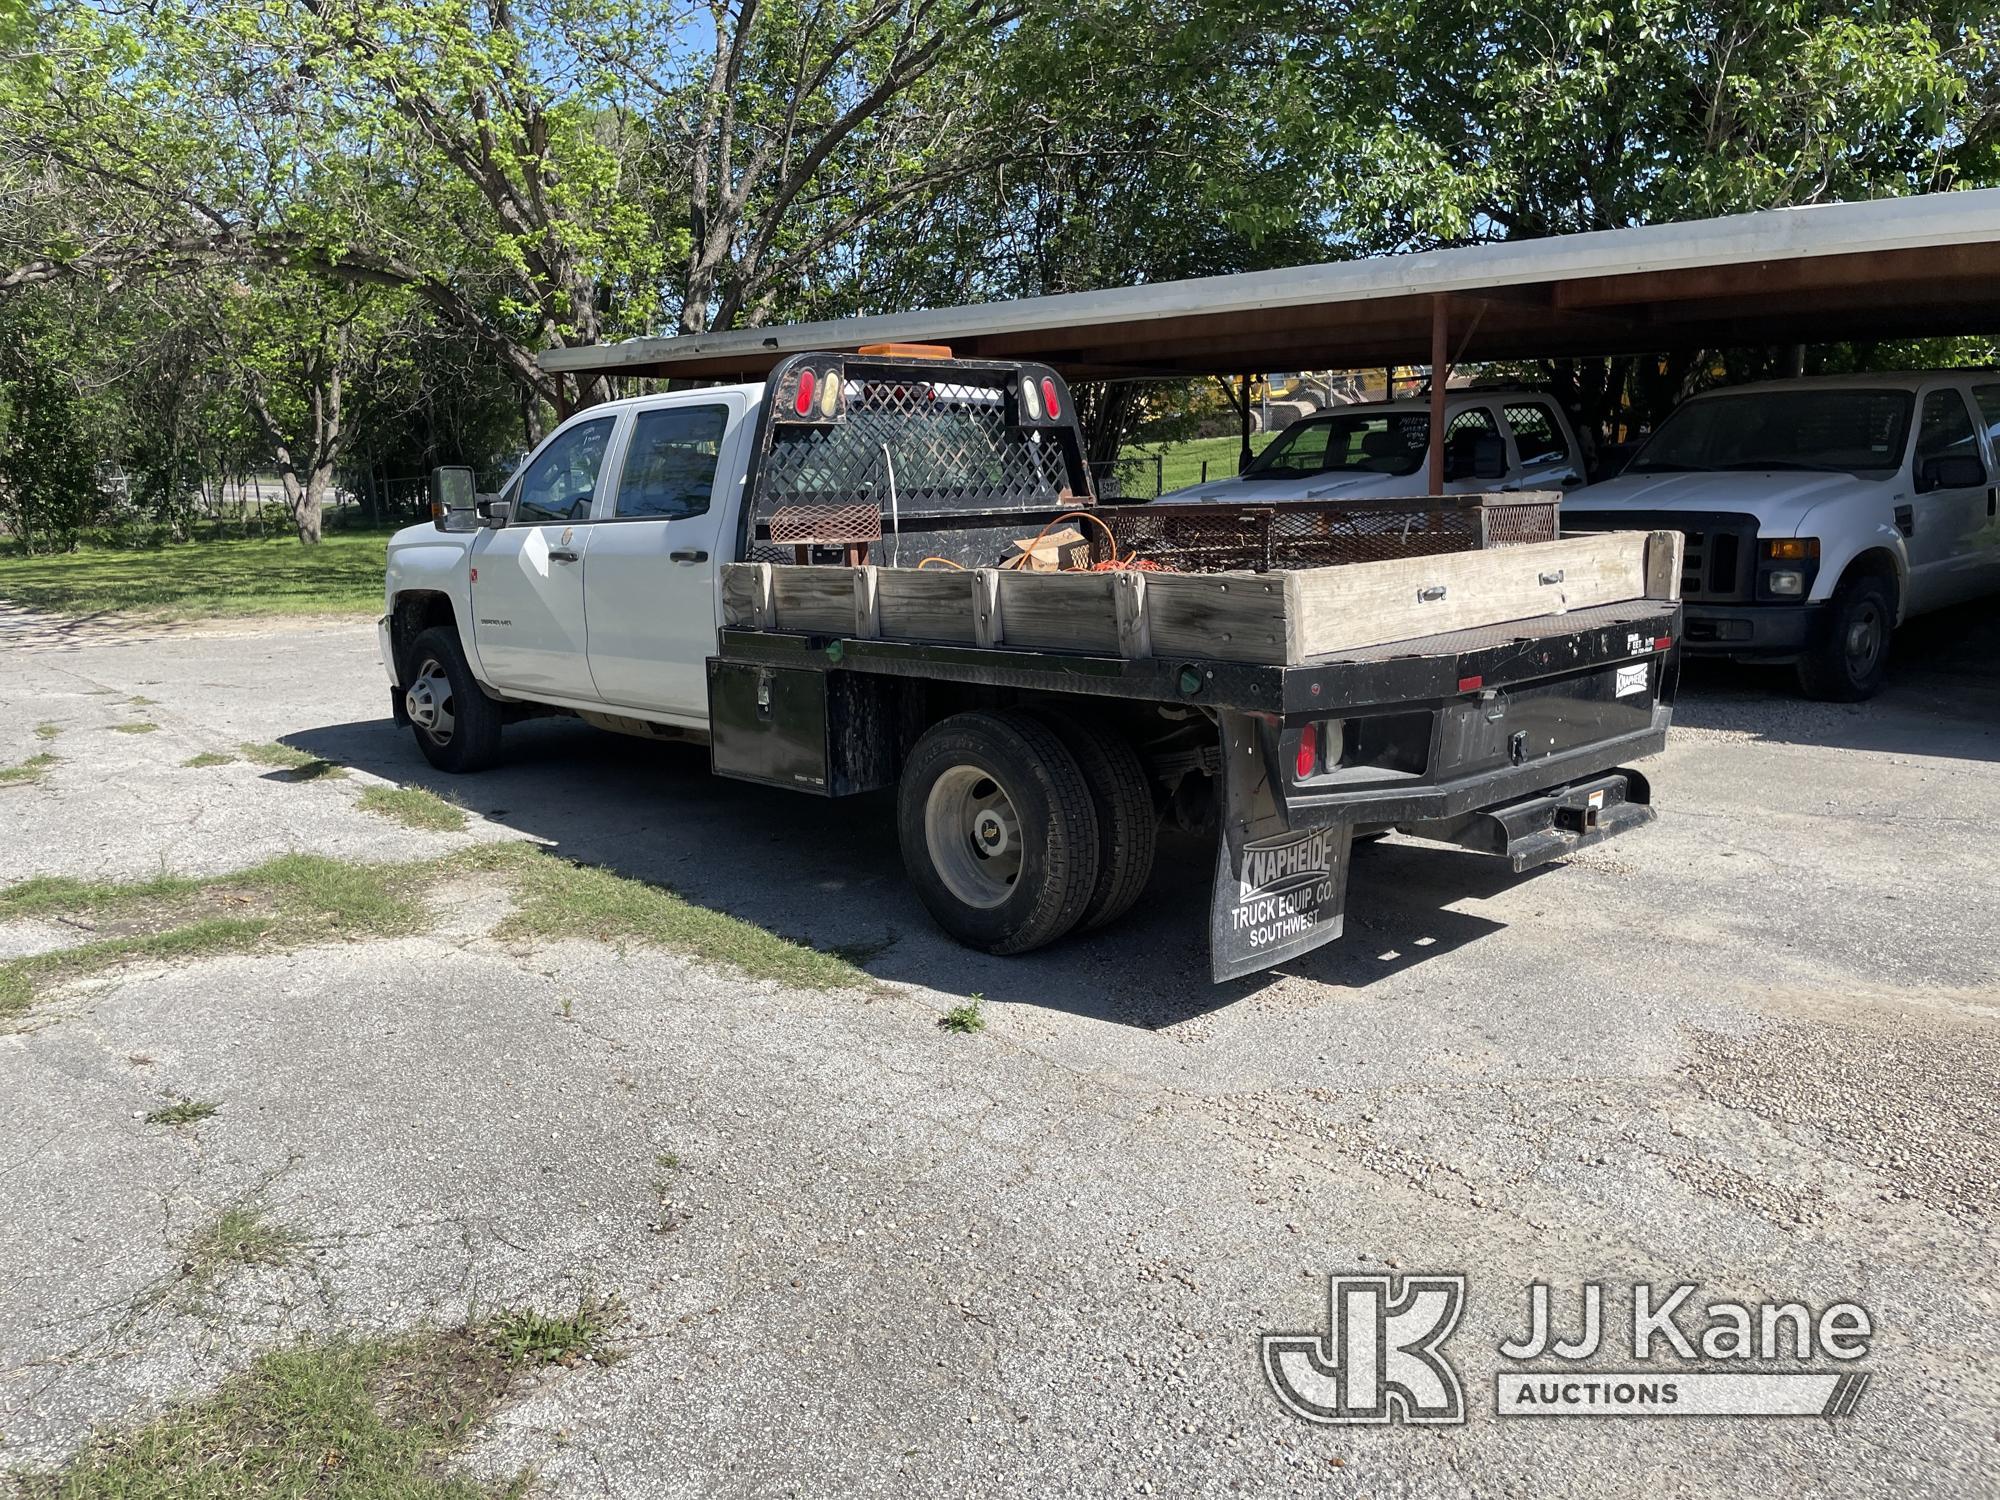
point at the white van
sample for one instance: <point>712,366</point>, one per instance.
<point>1819,514</point>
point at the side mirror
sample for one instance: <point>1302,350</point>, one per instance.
<point>1951,471</point>
<point>1489,456</point>
<point>453,498</point>
<point>493,511</point>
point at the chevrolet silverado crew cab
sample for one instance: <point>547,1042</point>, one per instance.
<point>1493,440</point>
<point>886,570</point>
<point>1820,514</point>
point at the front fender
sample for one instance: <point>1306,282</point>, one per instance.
<point>423,561</point>
<point>1837,555</point>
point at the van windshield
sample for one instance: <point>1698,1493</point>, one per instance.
<point>1353,443</point>
<point>1840,431</point>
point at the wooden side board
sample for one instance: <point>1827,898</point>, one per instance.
<point>1366,604</point>
<point>1268,618</point>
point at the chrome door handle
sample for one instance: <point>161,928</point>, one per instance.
<point>688,555</point>
<point>562,555</point>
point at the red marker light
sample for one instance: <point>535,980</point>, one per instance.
<point>1308,761</point>
<point>1663,643</point>
<point>1471,684</point>
<point>475,575</point>
<point>803,402</point>
<point>1050,400</point>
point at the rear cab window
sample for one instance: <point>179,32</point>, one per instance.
<point>1538,437</point>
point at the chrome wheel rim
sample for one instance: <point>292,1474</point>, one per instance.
<point>974,836</point>
<point>429,704</point>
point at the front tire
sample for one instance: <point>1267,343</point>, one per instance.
<point>456,724</point>
<point>1852,659</point>
<point>998,831</point>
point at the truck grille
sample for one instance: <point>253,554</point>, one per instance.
<point>1719,565</point>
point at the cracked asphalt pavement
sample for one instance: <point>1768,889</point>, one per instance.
<point>1751,1047</point>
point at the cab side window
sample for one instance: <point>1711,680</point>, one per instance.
<point>670,462</point>
<point>560,481</point>
<point>1538,436</point>
<point>1947,444</point>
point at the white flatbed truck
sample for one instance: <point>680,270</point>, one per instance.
<point>886,570</point>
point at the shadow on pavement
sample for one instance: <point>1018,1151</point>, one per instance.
<point>1942,697</point>
<point>829,873</point>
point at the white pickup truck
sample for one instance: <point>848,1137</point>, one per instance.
<point>1494,439</point>
<point>885,570</point>
<point>1820,514</point>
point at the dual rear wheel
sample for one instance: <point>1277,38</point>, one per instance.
<point>1018,826</point>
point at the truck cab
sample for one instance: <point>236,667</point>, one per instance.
<point>640,497</point>
<point>1820,514</point>
<point>1495,439</point>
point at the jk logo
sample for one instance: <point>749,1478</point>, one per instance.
<point>1378,1360</point>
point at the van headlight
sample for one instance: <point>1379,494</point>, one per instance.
<point>1787,584</point>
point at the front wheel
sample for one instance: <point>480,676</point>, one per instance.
<point>457,725</point>
<point>1852,658</point>
<point>998,831</point>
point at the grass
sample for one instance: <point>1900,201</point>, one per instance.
<point>30,770</point>
<point>303,765</point>
<point>47,731</point>
<point>414,807</point>
<point>528,1337</point>
<point>1180,463</point>
<point>965,1019</point>
<point>238,1236</point>
<point>275,576</point>
<point>297,899</point>
<point>351,1419</point>
<point>208,758</point>
<point>557,899</point>
<point>184,1112</point>
<point>137,726</point>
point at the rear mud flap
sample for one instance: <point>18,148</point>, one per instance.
<point>1279,891</point>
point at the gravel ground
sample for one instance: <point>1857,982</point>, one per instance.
<point>1751,1047</point>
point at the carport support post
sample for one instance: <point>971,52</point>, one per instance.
<point>1243,410</point>
<point>1440,373</point>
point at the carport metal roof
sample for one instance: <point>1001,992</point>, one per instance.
<point>1899,267</point>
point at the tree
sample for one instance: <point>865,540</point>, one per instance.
<point>513,166</point>
<point>1443,122</point>
<point>48,456</point>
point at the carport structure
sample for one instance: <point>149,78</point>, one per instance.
<point>1889,268</point>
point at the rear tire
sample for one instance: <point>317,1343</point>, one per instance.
<point>1851,661</point>
<point>1121,793</point>
<point>457,726</point>
<point>998,831</point>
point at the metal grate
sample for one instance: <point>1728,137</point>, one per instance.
<point>949,444</point>
<point>1317,533</point>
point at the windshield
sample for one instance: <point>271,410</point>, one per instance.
<point>1354,443</point>
<point>1843,431</point>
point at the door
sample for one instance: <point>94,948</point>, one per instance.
<point>1949,483</point>
<point>1987,399</point>
<point>527,584</point>
<point>1542,457</point>
<point>655,559</point>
